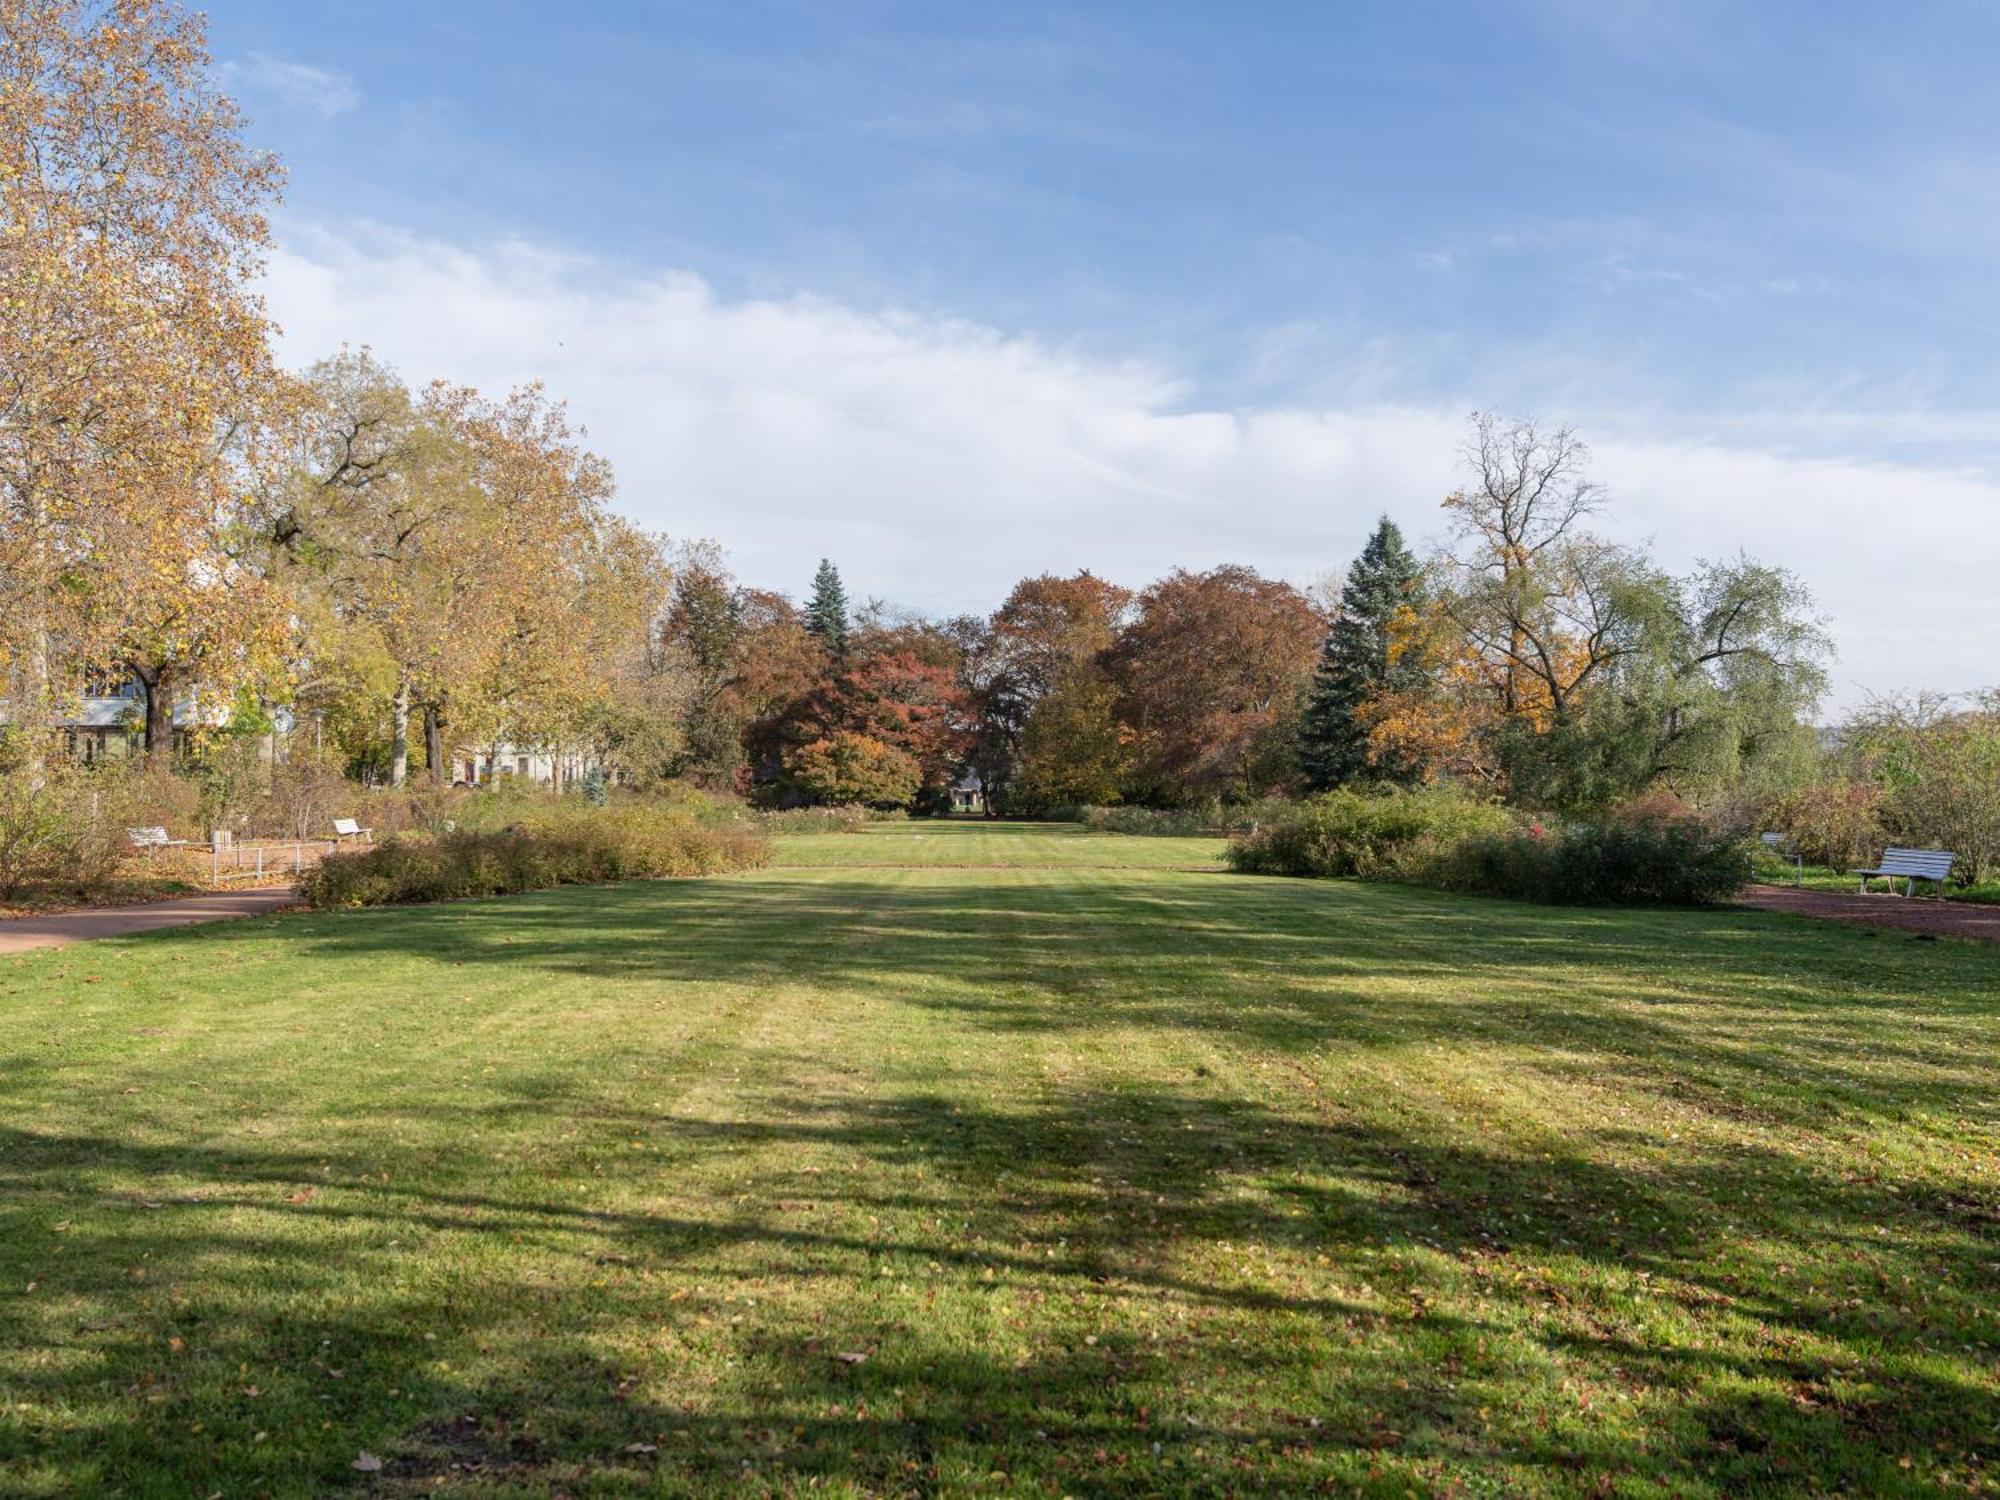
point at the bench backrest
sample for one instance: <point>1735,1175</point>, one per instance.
<point>346,825</point>
<point>1925,864</point>
<point>145,836</point>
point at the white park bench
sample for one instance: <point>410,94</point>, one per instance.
<point>348,828</point>
<point>1910,866</point>
<point>155,837</point>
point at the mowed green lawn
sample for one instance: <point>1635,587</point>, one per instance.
<point>947,1159</point>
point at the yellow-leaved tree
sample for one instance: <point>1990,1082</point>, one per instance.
<point>135,368</point>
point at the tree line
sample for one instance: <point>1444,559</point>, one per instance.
<point>1527,656</point>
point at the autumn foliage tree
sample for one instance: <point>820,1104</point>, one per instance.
<point>1567,671</point>
<point>1209,676</point>
<point>849,768</point>
<point>1048,630</point>
<point>460,553</point>
<point>1073,749</point>
<point>135,372</point>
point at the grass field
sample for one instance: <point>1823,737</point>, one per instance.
<point>953,1159</point>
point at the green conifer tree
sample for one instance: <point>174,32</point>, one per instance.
<point>1354,664</point>
<point>826,611</point>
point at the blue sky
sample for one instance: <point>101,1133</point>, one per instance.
<point>958,292</point>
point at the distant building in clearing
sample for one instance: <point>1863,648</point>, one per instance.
<point>534,763</point>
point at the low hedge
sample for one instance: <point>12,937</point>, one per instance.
<point>571,843</point>
<point>847,818</point>
<point>1156,822</point>
<point>1380,834</point>
<point>1444,838</point>
<point>1677,863</point>
<point>1171,822</point>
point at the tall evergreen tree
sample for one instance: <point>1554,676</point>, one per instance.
<point>826,611</point>
<point>1354,664</point>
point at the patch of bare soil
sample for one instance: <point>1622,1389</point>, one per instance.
<point>1925,916</point>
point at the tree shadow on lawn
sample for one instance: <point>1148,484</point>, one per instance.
<point>1134,1291</point>
<point>1750,1012</point>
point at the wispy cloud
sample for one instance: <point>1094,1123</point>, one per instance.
<point>325,92</point>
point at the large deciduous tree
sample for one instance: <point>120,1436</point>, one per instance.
<point>1049,631</point>
<point>134,358</point>
<point>1073,750</point>
<point>855,768</point>
<point>1209,675</point>
<point>1571,672</point>
<point>463,552</point>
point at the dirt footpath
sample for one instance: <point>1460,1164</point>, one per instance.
<point>19,934</point>
<point>1966,919</point>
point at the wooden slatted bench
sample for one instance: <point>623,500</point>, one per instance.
<point>1910,866</point>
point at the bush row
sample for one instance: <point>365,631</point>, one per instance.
<point>1173,822</point>
<point>1386,835</point>
<point>1444,838</point>
<point>843,819</point>
<point>560,842</point>
<point>1602,864</point>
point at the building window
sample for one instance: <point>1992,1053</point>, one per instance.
<point>109,683</point>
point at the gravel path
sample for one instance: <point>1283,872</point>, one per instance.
<point>1966,919</point>
<point>19,934</point>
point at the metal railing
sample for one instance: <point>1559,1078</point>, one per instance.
<point>265,860</point>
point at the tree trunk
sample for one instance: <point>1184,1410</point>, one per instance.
<point>159,734</point>
<point>399,734</point>
<point>434,743</point>
<point>31,715</point>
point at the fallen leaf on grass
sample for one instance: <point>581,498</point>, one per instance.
<point>303,1195</point>
<point>642,1448</point>
<point>366,1462</point>
<point>851,1359</point>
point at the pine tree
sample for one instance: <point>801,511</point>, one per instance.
<point>826,611</point>
<point>1354,664</point>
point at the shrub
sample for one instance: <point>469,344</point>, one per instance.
<point>61,826</point>
<point>38,817</point>
<point>1174,822</point>
<point>854,768</point>
<point>1946,794</point>
<point>156,795</point>
<point>417,809</point>
<point>1158,822</point>
<point>846,818</point>
<point>1833,823</point>
<point>561,841</point>
<point>1388,833</point>
<point>303,794</point>
<point>1673,862</point>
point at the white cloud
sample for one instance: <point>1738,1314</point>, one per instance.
<point>321,91</point>
<point>939,461</point>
